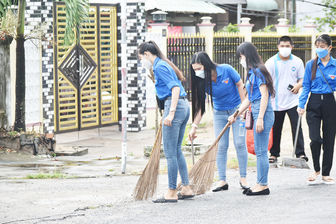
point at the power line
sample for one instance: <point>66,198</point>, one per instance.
<point>319,4</point>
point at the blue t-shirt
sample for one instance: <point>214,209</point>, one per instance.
<point>257,80</point>
<point>165,79</point>
<point>318,85</point>
<point>225,94</point>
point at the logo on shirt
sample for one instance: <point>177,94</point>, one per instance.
<point>332,77</point>
<point>293,69</point>
<point>226,81</point>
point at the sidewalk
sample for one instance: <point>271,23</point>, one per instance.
<point>104,151</point>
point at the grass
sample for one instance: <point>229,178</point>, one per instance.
<point>233,163</point>
<point>55,175</point>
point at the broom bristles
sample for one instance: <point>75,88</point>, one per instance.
<point>147,183</point>
<point>202,173</point>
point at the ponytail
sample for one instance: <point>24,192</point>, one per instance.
<point>154,49</point>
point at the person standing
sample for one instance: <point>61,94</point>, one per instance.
<point>319,80</point>
<point>226,90</point>
<point>259,86</point>
<point>287,72</point>
<point>176,114</point>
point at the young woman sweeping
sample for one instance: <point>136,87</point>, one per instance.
<point>226,90</point>
<point>259,86</point>
<point>319,80</point>
<point>176,114</point>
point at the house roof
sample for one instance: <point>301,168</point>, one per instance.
<point>190,6</point>
<point>229,2</point>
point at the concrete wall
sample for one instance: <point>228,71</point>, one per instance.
<point>33,84</point>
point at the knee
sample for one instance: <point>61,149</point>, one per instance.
<point>260,152</point>
<point>222,150</point>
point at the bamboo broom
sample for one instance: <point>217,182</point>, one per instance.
<point>147,182</point>
<point>201,174</point>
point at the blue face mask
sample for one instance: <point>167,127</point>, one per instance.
<point>321,52</point>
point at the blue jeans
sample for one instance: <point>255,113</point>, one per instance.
<point>172,141</point>
<point>261,140</point>
<point>220,120</point>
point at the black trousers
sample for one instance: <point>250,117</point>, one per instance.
<point>322,107</point>
<point>277,129</point>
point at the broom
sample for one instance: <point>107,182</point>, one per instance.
<point>202,173</point>
<point>147,183</point>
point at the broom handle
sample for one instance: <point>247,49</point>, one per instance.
<point>296,135</point>
<point>224,130</point>
<point>192,152</point>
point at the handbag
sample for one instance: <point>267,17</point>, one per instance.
<point>249,119</point>
<point>248,115</point>
<point>160,103</point>
<point>250,141</point>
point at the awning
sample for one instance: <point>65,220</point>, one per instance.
<point>262,5</point>
<point>189,6</point>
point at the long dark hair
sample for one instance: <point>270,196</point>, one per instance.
<point>326,39</point>
<point>154,49</point>
<point>253,61</point>
<point>199,85</point>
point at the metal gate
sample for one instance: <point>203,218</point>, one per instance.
<point>86,74</point>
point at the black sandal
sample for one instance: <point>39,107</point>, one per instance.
<point>163,200</point>
<point>183,197</point>
<point>257,193</point>
<point>272,159</point>
<point>303,157</point>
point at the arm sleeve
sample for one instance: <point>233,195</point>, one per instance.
<point>234,74</point>
<point>167,77</point>
<point>306,85</point>
<point>260,79</point>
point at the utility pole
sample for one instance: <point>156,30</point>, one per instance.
<point>239,11</point>
<point>285,9</point>
<point>293,12</point>
<point>123,88</point>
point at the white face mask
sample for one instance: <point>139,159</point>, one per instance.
<point>200,73</point>
<point>243,62</point>
<point>146,63</point>
<point>285,51</point>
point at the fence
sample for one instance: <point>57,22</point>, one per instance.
<point>267,45</point>
<point>333,50</point>
<point>224,50</point>
<point>180,49</point>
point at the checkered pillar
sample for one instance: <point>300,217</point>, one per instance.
<point>40,12</point>
<point>136,78</point>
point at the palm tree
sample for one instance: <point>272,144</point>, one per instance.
<point>76,12</point>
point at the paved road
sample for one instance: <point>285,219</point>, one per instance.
<point>108,200</point>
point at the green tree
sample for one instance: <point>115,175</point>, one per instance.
<point>76,12</point>
<point>329,18</point>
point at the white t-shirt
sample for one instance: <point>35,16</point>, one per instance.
<point>284,73</point>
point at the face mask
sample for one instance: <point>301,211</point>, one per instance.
<point>321,52</point>
<point>243,63</point>
<point>200,73</point>
<point>146,63</point>
<point>285,51</point>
